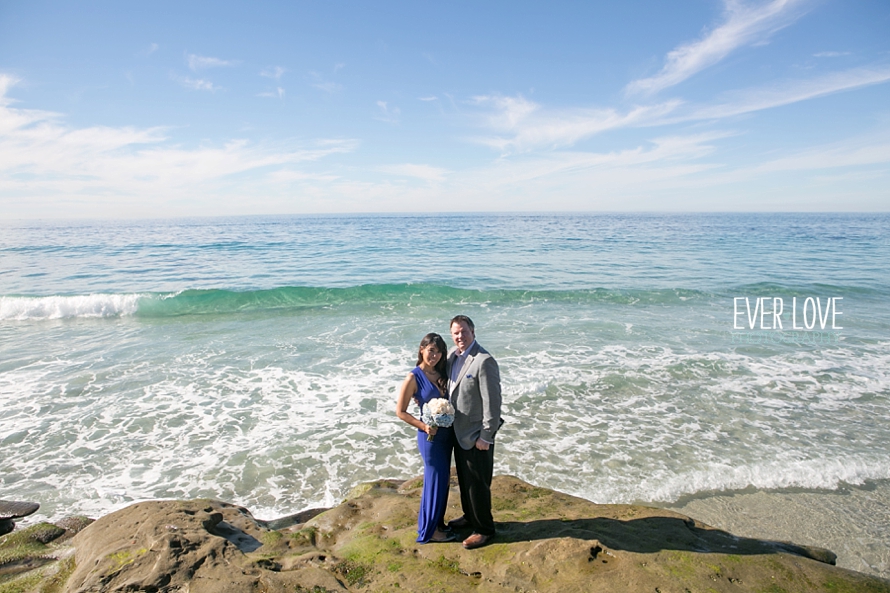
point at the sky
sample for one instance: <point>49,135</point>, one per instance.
<point>166,109</point>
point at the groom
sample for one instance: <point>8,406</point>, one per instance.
<point>475,388</point>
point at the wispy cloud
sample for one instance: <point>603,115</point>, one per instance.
<point>676,151</point>
<point>860,153</point>
<point>430,98</point>
<point>831,54</point>
<point>327,86</point>
<point>196,62</point>
<point>149,50</point>
<point>525,126</point>
<point>522,125</point>
<point>320,83</point>
<point>743,24</point>
<point>386,113</point>
<point>278,94</point>
<point>785,93</point>
<point>195,84</point>
<point>509,111</point>
<point>6,83</point>
<point>425,172</point>
<point>275,72</point>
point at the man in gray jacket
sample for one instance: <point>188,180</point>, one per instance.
<point>475,389</point>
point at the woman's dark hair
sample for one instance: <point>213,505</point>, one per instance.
<point>436,340</point>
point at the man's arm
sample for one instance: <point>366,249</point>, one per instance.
<point>490,389</point>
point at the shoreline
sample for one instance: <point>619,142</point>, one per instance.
<point>852,521</point>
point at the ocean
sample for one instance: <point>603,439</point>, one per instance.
<point>256,359</point>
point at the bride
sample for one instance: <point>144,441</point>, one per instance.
<point>426,381</point>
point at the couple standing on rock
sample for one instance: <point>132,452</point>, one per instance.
<point>470,379</point>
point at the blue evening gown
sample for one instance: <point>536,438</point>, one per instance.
<point>436,456</point>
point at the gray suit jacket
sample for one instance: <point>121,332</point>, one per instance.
<point>476,397</point>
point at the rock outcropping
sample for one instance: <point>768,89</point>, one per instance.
<point>547,541</point>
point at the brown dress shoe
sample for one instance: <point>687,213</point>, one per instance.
<point>458,523</point>
<point>477,540</point>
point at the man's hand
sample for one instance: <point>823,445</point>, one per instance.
<point>482,445</point>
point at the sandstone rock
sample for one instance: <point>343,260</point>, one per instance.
<point>547,541</point>
<point>170,545</point>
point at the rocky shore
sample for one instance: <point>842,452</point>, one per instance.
<point>547,541</point>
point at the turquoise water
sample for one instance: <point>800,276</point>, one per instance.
<point>256,360</point>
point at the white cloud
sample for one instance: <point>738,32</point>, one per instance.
<point>788,92</point>
<point>278,94</point>
<point>424,172</point>
<point>860,153</point>
<point>831,54</point>
<point>196,62</point>
<point>679,172</point>
<point>744,24</point>
<point>6,83</point>
<point>525,126</point>
<point>509,111</point>
<point>661,151</point>
<point>430,98</point>
<point>107,171</point>
<point>275,72</point>
<point>328,87</point>
<point>195,84</point>
<point>522,125</point>
<point>386,113</point>
<point>322,84</point>
<point>667,173</point>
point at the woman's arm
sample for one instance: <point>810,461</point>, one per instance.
<point>406,392</point>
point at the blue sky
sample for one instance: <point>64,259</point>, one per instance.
<point>111,109</point>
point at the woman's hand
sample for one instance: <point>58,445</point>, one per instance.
<point>430,430</point>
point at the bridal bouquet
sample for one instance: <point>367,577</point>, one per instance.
<point>437,412</point>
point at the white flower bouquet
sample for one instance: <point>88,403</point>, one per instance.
<point>437,412</point>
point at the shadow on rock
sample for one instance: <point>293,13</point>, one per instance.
<point>650,535</point>
<point>244,541</point>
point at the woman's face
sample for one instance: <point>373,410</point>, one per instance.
<point>431,355</point>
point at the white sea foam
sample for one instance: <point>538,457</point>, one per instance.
<point>61,307</point>
<point>275,439</point>
<point>285,412</point>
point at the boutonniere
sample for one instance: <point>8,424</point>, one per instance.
<point>469,375</point>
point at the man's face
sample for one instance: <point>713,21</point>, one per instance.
<point>462,335</point>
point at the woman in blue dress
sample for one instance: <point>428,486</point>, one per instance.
<point>426,381</point>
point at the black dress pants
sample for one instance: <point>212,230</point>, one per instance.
<point>474,471</point>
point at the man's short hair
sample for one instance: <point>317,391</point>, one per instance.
<point>463,319</point>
